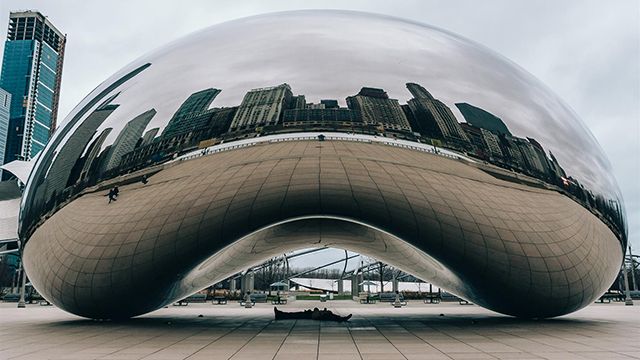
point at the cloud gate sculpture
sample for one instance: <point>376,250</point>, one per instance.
<point>322,128</point>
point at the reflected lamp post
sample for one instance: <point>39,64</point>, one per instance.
<point>633,271</point>
<point>23,276</point>
<point>627,294</point>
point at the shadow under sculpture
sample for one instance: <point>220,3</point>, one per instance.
<point>315,314</point>
<point>485,183</point>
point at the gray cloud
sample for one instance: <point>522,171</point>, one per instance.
<point>586,52</point>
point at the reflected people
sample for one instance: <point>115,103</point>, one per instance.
<point>377,135</point>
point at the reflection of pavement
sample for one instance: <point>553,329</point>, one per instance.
<point>518,249</point>
<point>606,331</point>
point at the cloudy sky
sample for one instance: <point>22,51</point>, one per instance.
<point>588,53</point>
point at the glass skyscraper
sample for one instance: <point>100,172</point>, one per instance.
<point>31,73</point>
<point>5,104</point>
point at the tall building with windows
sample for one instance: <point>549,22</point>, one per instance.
<point>377,109</point>
<point>31,73</point>
<point>493,143</point>
<point>148,136</point>
<point>419,92</point>
<point>68,156</point>
<point>193,114</point>
<point>262,106</point>
<point>5,105</point>
<point>128,138</point>
<point>483,119</point>
<point>434,119</point>
<point>89,162</point>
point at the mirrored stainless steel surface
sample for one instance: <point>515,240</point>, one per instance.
<point>322,128</point>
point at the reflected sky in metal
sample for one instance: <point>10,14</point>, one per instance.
<point>323,55</point>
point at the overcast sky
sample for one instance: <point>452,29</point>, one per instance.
<point>588,52</point>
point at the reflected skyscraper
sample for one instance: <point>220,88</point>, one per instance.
<point>493,143</point>
<point>31,73</point>
<point>192,114</point>
<point>330,104</point>
<point>89,162</point>
<point>69,154</point>
<point>299,102</point>
<point>262,106</point>
<point>377,109</point>
<point>529,156</point>
<point>322,116</point>
<point>128,138</point>
<point>482,119</point>
<point>419,92</point>
<point>434,119</point>
<point>149,136</point>
<point>542,157</point>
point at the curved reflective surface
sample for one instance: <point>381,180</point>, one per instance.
<point>387,137</point>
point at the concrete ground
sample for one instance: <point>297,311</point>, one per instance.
<point>417,331</point>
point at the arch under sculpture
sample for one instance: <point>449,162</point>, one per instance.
<point>220,164</point>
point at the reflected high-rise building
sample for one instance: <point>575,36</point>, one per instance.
<point>193,113</point>
<point>323,117</point>
<point>419,92</point>
<point>512,152</point>
<point>555,167</point>
<point>194,122</point>
<point>219,123</point>
<point>262,107</point>
<point>127,139</point>
<point>434,119</point>
<point>31,73</point>
<point>5,106</point>
<point>149,136</point>
<point>529,156</point>
<point>493,143</point>
<point>69,154</point>
<point>482,119</point>
<point>298,102</point>
<point>377,108</point>
<point>91,156</point>
<point>312,106</point>
<point>330,103</point>
<point>477,140</point>
<point>544,160</point>
<point>485,143</point>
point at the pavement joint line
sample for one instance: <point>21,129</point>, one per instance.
<point>318,343</point>
<point>218,338</point>
<point>354,341</point>
<point>424,341</point>
<point>161,349</point>
<point>386,338</point>
<point>249,340</point>
<point>284,339</point>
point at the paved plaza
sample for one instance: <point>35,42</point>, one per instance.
<point>417,331</point>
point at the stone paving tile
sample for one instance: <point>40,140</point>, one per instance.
<point>601,331</point>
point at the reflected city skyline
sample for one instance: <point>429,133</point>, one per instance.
<point>275,110</point>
